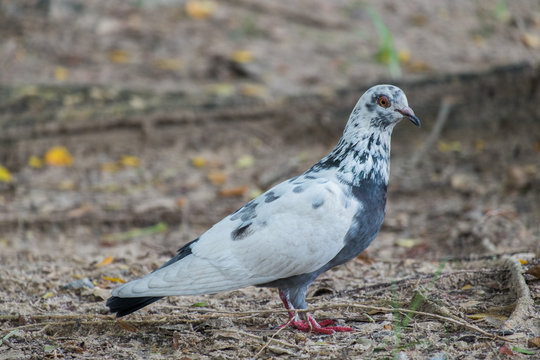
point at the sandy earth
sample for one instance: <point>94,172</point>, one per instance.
<point>457,224</point>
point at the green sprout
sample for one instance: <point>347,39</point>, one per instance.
<point>387,53</point>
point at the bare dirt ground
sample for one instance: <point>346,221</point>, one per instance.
<point>462,225</point>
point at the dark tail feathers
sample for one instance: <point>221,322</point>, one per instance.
<point>125,306</point>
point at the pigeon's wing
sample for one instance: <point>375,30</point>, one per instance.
<point>294,228</point>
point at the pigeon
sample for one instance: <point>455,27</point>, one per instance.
<point>295,231</point>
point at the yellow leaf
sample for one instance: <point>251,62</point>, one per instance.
<point>466,287</point>
<point>479,145</point>
<point>245,161</point>
<point>476,316</point>
<point>111,167</point>
<point>67,184</point>
<point>200,9</point>
<point>254,90</point>
<point>198,161</point>
<point>523,262</point>
<point>119,56</point>
<point>61,73</point>
<point>236,191</point>
<point>35,162</point>
<point>128,160</point>
<point>114,279</point>
<point>5,175</point>
<point>242,56</point>
<point>217,177</point>
<point>404,56</point>
<point>406,243</point>
<point>48,295</point>
<point>108,260</point>
<point>168,64</point>
<point>223,89</point>
<point>58,156</point>
<point>487,316</point>
<point>448,146</point>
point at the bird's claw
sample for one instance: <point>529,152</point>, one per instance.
<point>312,326</point>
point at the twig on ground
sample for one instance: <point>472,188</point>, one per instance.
<point>274,335</point>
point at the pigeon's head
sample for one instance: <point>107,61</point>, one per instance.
<point>380,108</point>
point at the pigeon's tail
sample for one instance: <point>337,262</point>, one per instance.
<point>125,306</point>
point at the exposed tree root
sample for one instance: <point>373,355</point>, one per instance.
<point>523,310</point>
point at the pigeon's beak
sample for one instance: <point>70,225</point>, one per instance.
<point>409,114</point>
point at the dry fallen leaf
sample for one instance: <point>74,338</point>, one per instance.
<point>119,56</point>
<point>222,89</point>
<point>235,191</point>
<point>534,271</point>
<point>530,40</point>
<point>534,342</point>
<point>114,279</point>
<point>35,162</point>
<point>198,161</point>
<point>504,350</point>
<point>217,177</point>
<point>242,56</point>
<point>67,184</point>
<point>466,287</point>
<point>448,146</point>
<point>101,293</point>
<point>168,64</point>
<point>81,211</point>
<point>486,316</point>
<point>404,55</point>
<point>110,167</point>
<point>5,175</point>
<point>254,90</point>
<point>388,327</point>
<point>58,156</point>
<point>406,243</point>
<point>365,258</point>
<point>128,160</point>
<point>200,9</point>
<point>479,145</point>
<point>181,201</point>
<point>61,73</point>
<point>245,161</point>
<point>108,260</point>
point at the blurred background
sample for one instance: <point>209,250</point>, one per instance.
<point>127,128</point>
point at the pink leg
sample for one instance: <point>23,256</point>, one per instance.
<point>310,325</point>
<point>285,299</point>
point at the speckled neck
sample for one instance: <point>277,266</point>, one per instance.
<point>355,160</point>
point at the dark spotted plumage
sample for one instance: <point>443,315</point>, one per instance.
<point>241,232</point>
<point>270,196</point>
<point>246,212</point>
<point>295,231</point>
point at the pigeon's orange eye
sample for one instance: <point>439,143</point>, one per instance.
<point>383,101</point>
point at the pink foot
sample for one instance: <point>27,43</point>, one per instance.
<point>318,328</point>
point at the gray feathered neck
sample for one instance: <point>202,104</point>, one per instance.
<point>362,153</point>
